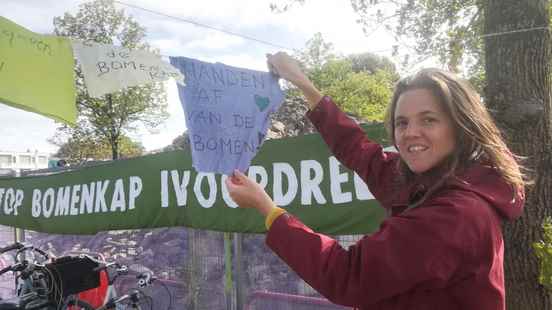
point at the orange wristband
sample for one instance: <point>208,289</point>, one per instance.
<point>272,215</point>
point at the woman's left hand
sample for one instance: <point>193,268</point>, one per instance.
<point>248,194</point>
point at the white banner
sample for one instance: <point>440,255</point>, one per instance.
<point>109,68</point>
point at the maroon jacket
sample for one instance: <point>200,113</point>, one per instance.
<point>445,254</point>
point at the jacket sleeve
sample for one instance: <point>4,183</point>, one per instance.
<point>350,145</point>
<point>420,249</point>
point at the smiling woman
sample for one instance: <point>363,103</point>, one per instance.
<point>447,191</point>
<point>424,133</point>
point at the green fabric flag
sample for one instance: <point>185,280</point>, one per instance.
<point>36,72</point>
<point>163,190</point>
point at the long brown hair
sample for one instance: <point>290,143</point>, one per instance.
<point>477,136</point>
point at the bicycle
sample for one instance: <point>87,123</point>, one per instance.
<point>46,284</point>
<point>136,297</point>
<point>108,271</point>
<point>101,295</point>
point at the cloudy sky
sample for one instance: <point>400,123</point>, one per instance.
<point>21,131</point>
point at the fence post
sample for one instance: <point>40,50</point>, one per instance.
<point>238,238</point>
<point>19,233</point>
<point>229,291</point>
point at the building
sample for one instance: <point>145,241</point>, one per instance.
<point>13,162</point>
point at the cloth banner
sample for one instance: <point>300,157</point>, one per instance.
<point>227,112</point>
<point>163,190</point>
<point>109,68</point>
<point>37,72</point>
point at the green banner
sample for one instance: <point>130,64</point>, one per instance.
<point>164,190</point>
<point>36,72</point>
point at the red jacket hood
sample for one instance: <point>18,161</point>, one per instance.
<point>480,179</point>
<point>488,184</point>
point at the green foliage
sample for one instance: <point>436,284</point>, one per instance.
<point>110,117</point>
<point>543,250</point>
<point>370,63</point>
<point>81,147</point>
<point>362,94</point>
<point>448,29</point>
<point>330,72</point>
<point>316,53</point>
<point>181,142</point>
<point>360,84</point>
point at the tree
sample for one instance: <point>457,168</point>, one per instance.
<point>364,95</point>
<point>360,84</point>
<point>181,142</point>
<point>316,53</point>
<point>371,63</point>
<point>81,147</point>
<point>110,117</point>
<point>505,46</point>
<point>449,30</point>
<point>519,90</point>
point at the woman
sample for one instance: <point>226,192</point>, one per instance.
<point>447,190</point>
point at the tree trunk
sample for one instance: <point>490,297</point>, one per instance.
<point>519,92</point>
<point>115,149</point>
<point>113,135</point>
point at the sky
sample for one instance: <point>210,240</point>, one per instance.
<point>334,19</point>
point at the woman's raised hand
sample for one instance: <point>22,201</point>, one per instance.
<point>248,194</point>
<point>288,68</point>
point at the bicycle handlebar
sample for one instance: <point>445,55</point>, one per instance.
<point>25,248</point>
<point>41,252</point>
<point>15,267</point>
<point>11,247</point>
<point>135,295</point>
<point>6,269</point>
<point>145,279</point>
<point>113,270</point>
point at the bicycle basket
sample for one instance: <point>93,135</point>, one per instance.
<point>74,274</point>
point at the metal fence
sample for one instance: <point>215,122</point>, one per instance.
<point>7,281</point>
<point>191,266</point>
<point>197,269</point>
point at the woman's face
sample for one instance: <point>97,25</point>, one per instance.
<point>424,133</point>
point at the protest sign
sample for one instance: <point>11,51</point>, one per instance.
<point>163,190</point>
<point>227,112</point>
<point>109,68</point>
<point>37,72</point>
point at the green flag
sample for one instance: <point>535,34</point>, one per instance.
<point>163,190</point>
<point>36,72</point>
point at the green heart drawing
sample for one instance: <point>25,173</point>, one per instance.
<point>262,102</point>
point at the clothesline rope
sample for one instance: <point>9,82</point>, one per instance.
<point>246,37</point>
<point>513,31</point>
<point>204,26</point>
